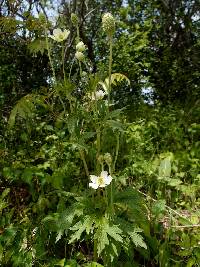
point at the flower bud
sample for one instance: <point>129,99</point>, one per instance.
<point>80,56</point>
<point>108,158</point>
<point>100,159</point>
<point>80,47</point>
<point>74,19</point>
<point>42,18</point>
<point>108,24</point>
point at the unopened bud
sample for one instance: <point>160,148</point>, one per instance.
<point>74,19</point>
<point>42,18</point>
<point>100,159</point>
<point>108,158</point>
<point>80,56</point>
<point>80,47</point>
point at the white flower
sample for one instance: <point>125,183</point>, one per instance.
<point>80,47</point>
<point>59,35</point>
<point>80,56</point>
<point>98,95</point>
<point>100,181</point>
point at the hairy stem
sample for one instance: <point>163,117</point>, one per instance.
<point>84,163</point>
<point>110,69</point>
<point>63,64</point>
<point>116,152</point>
<point>53,70</point>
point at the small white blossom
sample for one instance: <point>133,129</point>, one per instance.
<point>98,95</point>
<point>80,47</point>
<point>100,181</point>
<point>80,56</point>
<point>59,35</point>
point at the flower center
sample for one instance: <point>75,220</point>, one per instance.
<point>100,180</point>
<point>60,36</point>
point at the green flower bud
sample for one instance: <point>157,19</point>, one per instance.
<point>100,159</point>
<point>80,47</point>
<point>42,18</point>
<point>74,19</point>
<point>108,158</point>
<point>80,56</point>
<point>108,24</point>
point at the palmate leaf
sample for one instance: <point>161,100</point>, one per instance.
<point>37,45</point>
<point>25,107</point>
<point>136,238</point>
<point>104,231</point>
<point>131,201</point>
<point>132,233</point>
<point>115,78</point>
<point>86,224</point>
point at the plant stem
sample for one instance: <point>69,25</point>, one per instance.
<point>98,147</point>
<point>49,56</point>
<point>84,163</point>
<point>110,69</point>
<point>53,70</point>
<point>63,64</point>
<point>117,152</point>
<point>78,39</point>
<point>111,193</point>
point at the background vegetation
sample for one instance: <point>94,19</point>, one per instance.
<point>144,131</point>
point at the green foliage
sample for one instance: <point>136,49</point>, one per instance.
<point>62,121</point>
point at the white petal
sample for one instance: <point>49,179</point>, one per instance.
<point>52,36</point>
<point>66,34</point>
<point>108,180</point>
<point>94,178</point>
<point>104,174</point>
<point>102,185</point>
<point>93,185</point>
<point>57,32</point>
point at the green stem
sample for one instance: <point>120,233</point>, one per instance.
<point>84,163</point>
<point>49,55</point>
<point>110,69</point>
<point>98,147</point>
<point>78,39</point>
<point>71,69</point>
<point>111,194</point>
<point>63,63</point>
<point>117,152</point>
<point>53,70</point>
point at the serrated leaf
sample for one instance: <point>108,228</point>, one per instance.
<point>115,232</point>
<point>5,193</point>
<point>115,78</point>
<point>80,227</point>
<point>37,45</point>
<point>137,239</point>
<point>104,229</point>
<point>115,125</point>
<point>25,108</point>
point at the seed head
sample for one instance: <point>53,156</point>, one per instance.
<point>108,24</point>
